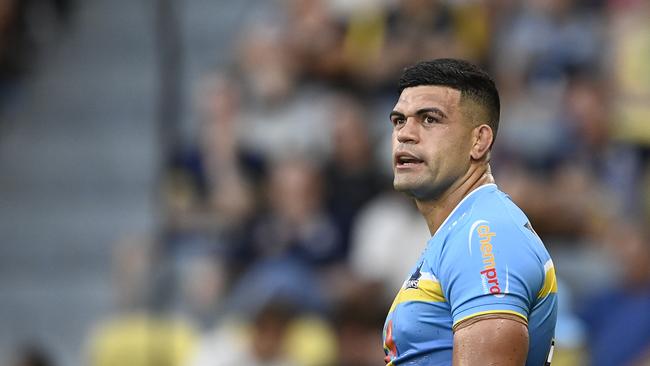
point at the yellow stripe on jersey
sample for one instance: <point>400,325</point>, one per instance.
<point>490,312</point>
<point>550,282</point>
<point>428,291</point>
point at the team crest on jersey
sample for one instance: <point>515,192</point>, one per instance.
<point>414,280</point>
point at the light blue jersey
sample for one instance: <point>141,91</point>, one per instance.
<point>484,259</point>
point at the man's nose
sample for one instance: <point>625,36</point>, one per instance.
<point>408,133</point>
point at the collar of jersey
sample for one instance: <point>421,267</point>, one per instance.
<point>467,200</point>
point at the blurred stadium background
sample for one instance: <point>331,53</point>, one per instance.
<point>207,182</point>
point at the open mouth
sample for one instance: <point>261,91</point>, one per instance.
<point>404,160</point>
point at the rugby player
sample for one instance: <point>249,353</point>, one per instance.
<point>483,291</point>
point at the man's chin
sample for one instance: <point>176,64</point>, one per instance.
<point>422,192</point>
<point>405,187</point>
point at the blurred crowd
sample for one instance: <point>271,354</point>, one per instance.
<point>283,242</point>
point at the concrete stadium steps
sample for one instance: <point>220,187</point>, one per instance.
<point>79,162</point>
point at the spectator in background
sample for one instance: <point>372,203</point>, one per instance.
<point>351,178</point>
<point>210,186</point>
<point>588,177</point>
<point>314,38</point>
<point>16,43</point>
<point>381,38</point>
<point>544,41</point>
<point>202,278</point>
<point>295,223</point>
<point>32,355</point>
<point>617,319</point>
<point>277,334</point>
<point>230,171</point>
<point>24,26</point>
<point>570,332</point>
<point>358,316</point>
<point>381,240</point>
<point>136,335</point>
<point>270,328</point>
<point>282,117</point>
<point>629,39</point>
<point>615,165</point>
<point>261,344</point>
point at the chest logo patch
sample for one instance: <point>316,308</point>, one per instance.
<point>414,280</point>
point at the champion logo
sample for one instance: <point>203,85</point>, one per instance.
<point>489,271</point>
<point>489,275</point>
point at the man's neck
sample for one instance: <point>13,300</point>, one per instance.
<point>436,211</point>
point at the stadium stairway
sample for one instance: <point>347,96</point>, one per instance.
<point>79,164</point>
<point>77,170</point>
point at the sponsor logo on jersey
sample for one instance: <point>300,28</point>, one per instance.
<point>489,272</point>
<point>414,280</point>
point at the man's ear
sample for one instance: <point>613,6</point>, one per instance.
<point>483,138</point>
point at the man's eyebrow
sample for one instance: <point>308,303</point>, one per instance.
<point>431,110</point>
<point>395,114</point>
<point>420,112</point>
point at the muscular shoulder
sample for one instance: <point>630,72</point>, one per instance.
<point>491,258</point>
<point>491,217</point>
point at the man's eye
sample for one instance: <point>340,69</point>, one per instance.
<point>398,121</point>
<point>430,119</point>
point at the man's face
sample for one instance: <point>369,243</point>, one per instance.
<point>431,141</point>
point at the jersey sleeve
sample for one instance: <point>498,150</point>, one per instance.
<point>489,267</point>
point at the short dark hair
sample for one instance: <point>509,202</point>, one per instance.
<point>472,82</point>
